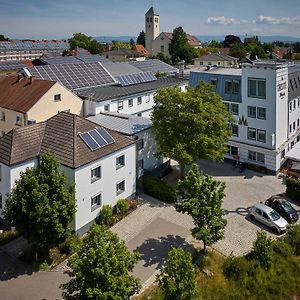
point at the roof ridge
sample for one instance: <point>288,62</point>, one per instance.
<point>11,145</point>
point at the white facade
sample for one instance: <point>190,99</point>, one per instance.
<point>86,187</point>
<point>151,28</point>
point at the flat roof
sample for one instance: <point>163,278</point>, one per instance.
<point>219,70</point>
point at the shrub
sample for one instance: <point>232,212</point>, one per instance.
<point>236,268</point>
<point>122,207</point>
<point>262,249</point>
<point>293,238</point>
<point>106,215</point>
<point>71,245</point>
<point>282,248</point>
<point>293,188</point>
<point>159,189</point>
<point>7,236</point>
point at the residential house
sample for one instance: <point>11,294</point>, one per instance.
<point>264,98</point>
<point>24,101</point>
<point>137,128</point>
<point>102,172</point>
<point>122,54</point>
<point>216,59</point>
<point>141,49</point>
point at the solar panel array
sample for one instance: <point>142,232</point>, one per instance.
<point>11,65</point>
<point>153,65</point>
<point>97,138</point>
<point>58,60</point>
<point>74,76</point>
<point>130,79</point>
<point>33,45</point>
<point>93,58</point>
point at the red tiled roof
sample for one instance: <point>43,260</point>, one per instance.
<point>192,40</point>
<point>21,95</point>
<point>141,49</point>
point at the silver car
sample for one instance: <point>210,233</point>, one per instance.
<point>269,217</point>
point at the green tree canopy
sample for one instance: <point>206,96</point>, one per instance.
<point>40,206</point>
<point>120,45</point>
<point>141,39</point>
<point>190,125</point>
<point>177,278</point>
<point>231,39</point>
<point>101,268</point>
<point>187,53</point>
<point>163,58</point>
<point>201,197</point>
<point>237,50</point>
<point>257,52</point>
<point>80,40</point>
<point>3,38</point>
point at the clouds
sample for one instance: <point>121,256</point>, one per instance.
<point>264,20</point>
<point>277,21</point>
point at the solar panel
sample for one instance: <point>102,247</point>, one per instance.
<point>153,65</point>
<point>33,45</point>
<point>97,138</point>
<point>92,58</point>
<point>74,76</point>
<point>11,65</point>
<point>58,60</point>
<point>130,79</point>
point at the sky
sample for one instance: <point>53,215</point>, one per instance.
<point>55,19</point>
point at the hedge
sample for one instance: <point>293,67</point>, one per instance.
<point>293,188</point>
<point>159,189</point>
<point>7,236</point>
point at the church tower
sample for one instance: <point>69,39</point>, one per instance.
<point>151,27</point>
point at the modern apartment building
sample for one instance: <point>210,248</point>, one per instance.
<point>264,98</point>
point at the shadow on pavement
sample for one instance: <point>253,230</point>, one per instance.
<point>155,251</point>
<point>12,267</point>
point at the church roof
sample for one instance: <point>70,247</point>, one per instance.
<point>192,40</point>
<point>152,12</point>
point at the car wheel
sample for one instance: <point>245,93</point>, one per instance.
<point>275,230</point>
<point>252,217</point>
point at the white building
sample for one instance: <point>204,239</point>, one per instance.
<point>264,98</point>
<point>101,176</point>
<point>139,129</point>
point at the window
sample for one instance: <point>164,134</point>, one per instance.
<point>96,174</point>
<point>294,103</point>
<point>227,106</point>
<point>292,144</point>
<point>257,88</point>
<point>235,87</point>
<point>251,133</point>
<point>252,155</point>
<point>139,100</point>
<point>255,156</point>
<point>106,107</point>
<point>140,144</point>
<point>214,82</point>
<point>235,109</point>
<point>2,116</point>
<point>130,102</point>
<point>232,87</point>
<point>141,164</point>
<point>261,157</point>
<point>261,135</point>
<point>235,130</point>
<point>1,205</point>
<point>18,120</point>
<point>120,187</point>
<point>251,111</point>
<point>120,161</point>
<point>298,122</point>
<point>139,114</point>
<point>162,48</point>
<point>261,113</point>
<point>228,87</point>
<point>233,150</point>
<point>291,106</point>
<point>120,105</point>
<point>96,202</point>
<point>290,127</point>
<point>294,125</point>
<point>57,97</point>
<point>148,98</point>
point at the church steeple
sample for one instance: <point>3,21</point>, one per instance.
<point>151,27</point>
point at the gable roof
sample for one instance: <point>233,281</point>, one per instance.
<point>59,135</point>
<point>152,12</point>
<point>21,95</point>
<point>192,40</point>
<point>141,49</point>
<point>123,123</point>
<point>217,56</point>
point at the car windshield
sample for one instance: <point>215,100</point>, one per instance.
<point>274,215</point>
<point>287,206</point>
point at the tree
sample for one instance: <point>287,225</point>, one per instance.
<point>262,249</point>
<point>214,44</point>
<point>257,52</point>
<point>187,53</point>
<point>177,278</point>
<point>40,206</point>
<point>120,45</point>
<point>190,125</point>
<point>179,40</point>
<point>101,268</point>
<point>80,40</point>
<point>3,38</point>
<point>201,197</point>
<point>237,50</point>
<point>296,47</point>
<point>163,58</point>
<point>231,39</point>
<point>132,42</point>
<point>141,40</point>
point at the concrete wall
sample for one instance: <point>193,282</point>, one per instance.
<point>106,185</point>
<point>161,41</point>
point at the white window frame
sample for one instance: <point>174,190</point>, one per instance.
<point>249,111</point>
<point>57,97</point>
<point>94,176</point>
<point>96,204</point>
<point>261,132</point>
<point>256,95</point>
<point>120,190</point>
<point>122,164</point>
<point>251,129</point>
<point>130,102</point>
<point>139,100</point>
<point>258,112</point>
<point>120,105</point>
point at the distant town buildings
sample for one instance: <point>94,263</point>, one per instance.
<point>216,59</point>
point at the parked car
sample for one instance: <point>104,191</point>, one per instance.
<point>284,208</point>
<point>269,217</point>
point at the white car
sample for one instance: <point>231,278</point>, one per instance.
<point>269,217</point>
